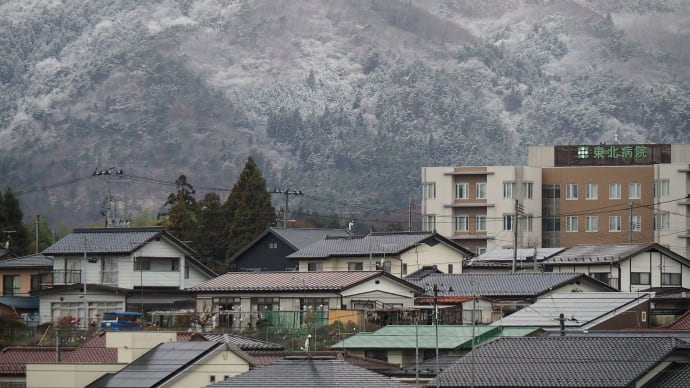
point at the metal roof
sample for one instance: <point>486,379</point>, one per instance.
<point>290,281</point>
<point>606,253</point>
<point>20,302</point>
<point>103,240</point>
<point>559,362</point>
<point>244,343</point>
<point>302,237</point>
<point>37,260</point>
<point>580,309</point>
<point>309,371</point>
<point>521,284</point>
<point>523,254</point>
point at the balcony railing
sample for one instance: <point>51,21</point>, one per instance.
<point>61,278</point>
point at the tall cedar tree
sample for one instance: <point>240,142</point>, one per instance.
<point>181,219</point>
<point>248,208</point>
<point>11,224</point>
<point>212,221</point>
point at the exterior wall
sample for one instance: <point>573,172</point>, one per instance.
<point>24,280</point>
<point>93,298</point>
<point>219,366</point>
<point>677,236</point>
<point>66,375</point>
<point>131,345</point>
<point>590,269</point>
<point>635,317</point>
<point>262,257</point>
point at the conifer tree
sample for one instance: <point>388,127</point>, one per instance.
<point>181,219</point>
<point>248,208</point>
<point>11,223</point>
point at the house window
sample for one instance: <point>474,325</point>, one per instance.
<point>508,222</point>
<point>174,265</point>
<point>142,264</point>
<point>462,190</point>
<point>591,223</point>
<point>641,278</point>
<point>670,279</point>
<point>591,191</point>
<point>637,223</point>
<point>430,190</point>
<point>404,269</point>
<point>10,285</point>
<point>508,190</point>
<point>39,280</point>
<point>109,270</point>
<point>273,245</point>
<point>450,268</point>
<point>462,223</point>
<point>386,267</point>
<point>661,188</point>
<point>355,266</point>
<point>571,224</point>
<point>481,251</point>
<point>614,191</point>
<point>481,223</point>
<point>186,272</point>
<point>481,190</point>
<point>429,223</point>
<point>314,267</point>
<point>614,223</point>
<point>260,306</point>
<point>635,191</point>
<point>212,379</point>
<point>571,191</point>
<point>528,190</point>
<point>601,276</point>
<point>662,221</point>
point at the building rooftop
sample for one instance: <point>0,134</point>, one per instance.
<point>607,253</point>
<point>37,260</point>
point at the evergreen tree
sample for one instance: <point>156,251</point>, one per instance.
<point>248,208</point>
<point>212,221</point>
<point>181,218</point>
<point>11,223</point>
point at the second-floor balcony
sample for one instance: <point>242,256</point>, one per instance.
<point>67,277</point>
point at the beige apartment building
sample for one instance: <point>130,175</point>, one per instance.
<point>565,196</point>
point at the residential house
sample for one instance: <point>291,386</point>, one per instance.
<point>109,269</point>
<point>22,275</point>
<point>395,252</point>
<point>626,267</point>
<point>293,299</point>
<point>583,311</point>
<point>501,260</point>
<point>403,344</point>
<point>486,297</point>
<point>6,254</point>
<point>568,362</point>
<point>309,371</point>
<point>269,251</point>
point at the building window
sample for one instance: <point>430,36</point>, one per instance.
<point>670,279</point>
<point>529,220</point>
<point>528,190</point>
<point>661,188</point>
<point>508,222</point>
<point>462,223</point>
<point>591,223</point>
<point>273,245</point>
<point>637,223</point>
<point>212,379</point>
<point>571,191</point>
<point>614,191</point>
<point>142,264</point>
<point>481,251</point>
<point>662,221</point>
<point>430,191</point>
<point>462,190</point>
<point>186,271</point>
<point>571,224</point>
<point>591,191</point>
<point>601,276</point>
<point>355,266</point>
<point>314,267</point>
<point>635,191</point>
<point>450,268</point>
<point>508,190</point>
<point>614,223</point>
<point>429,223</point>
<point>641,278</point>
<point>11,285</point>
<point>174,265</point>
<point>404,269</point>
<point>481,223</point>
<point>481,190</point>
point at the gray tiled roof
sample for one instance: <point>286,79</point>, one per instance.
<point>302,237</point>
<point>580,309</point>
<point>288,281</point>
<point>676,376</point>
<point>499,284</point>
<point>523,254</point>
<point>109,240</point>
<point>604,253</point>
<point>32,261</point>
<point>371,244</point>
<point>558,362</point>
<point>244,343</point>
<point>307,372</point>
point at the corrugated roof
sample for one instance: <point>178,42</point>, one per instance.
<point>37,260</point>
<point>288,281</point>
<point>306,371</point>
<point>421,336</point>
<point>604,253</point>
<point>108,240</point>
<point>500,284</point>
<point>558,362</point>
<point>580,309</point>
<point>523,254</point>
<point>21,302</point>
<point>244,343</point>
<point>371,244</point>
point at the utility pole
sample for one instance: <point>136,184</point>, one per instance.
<point>630,223</point>
<point>38,217</point>
<point>286,193</point>
<point>515,235</point>
<point>106,211</point>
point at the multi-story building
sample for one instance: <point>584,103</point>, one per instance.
<point>565,196</point>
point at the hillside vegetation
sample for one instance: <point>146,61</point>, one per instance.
<point>346,100</point>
